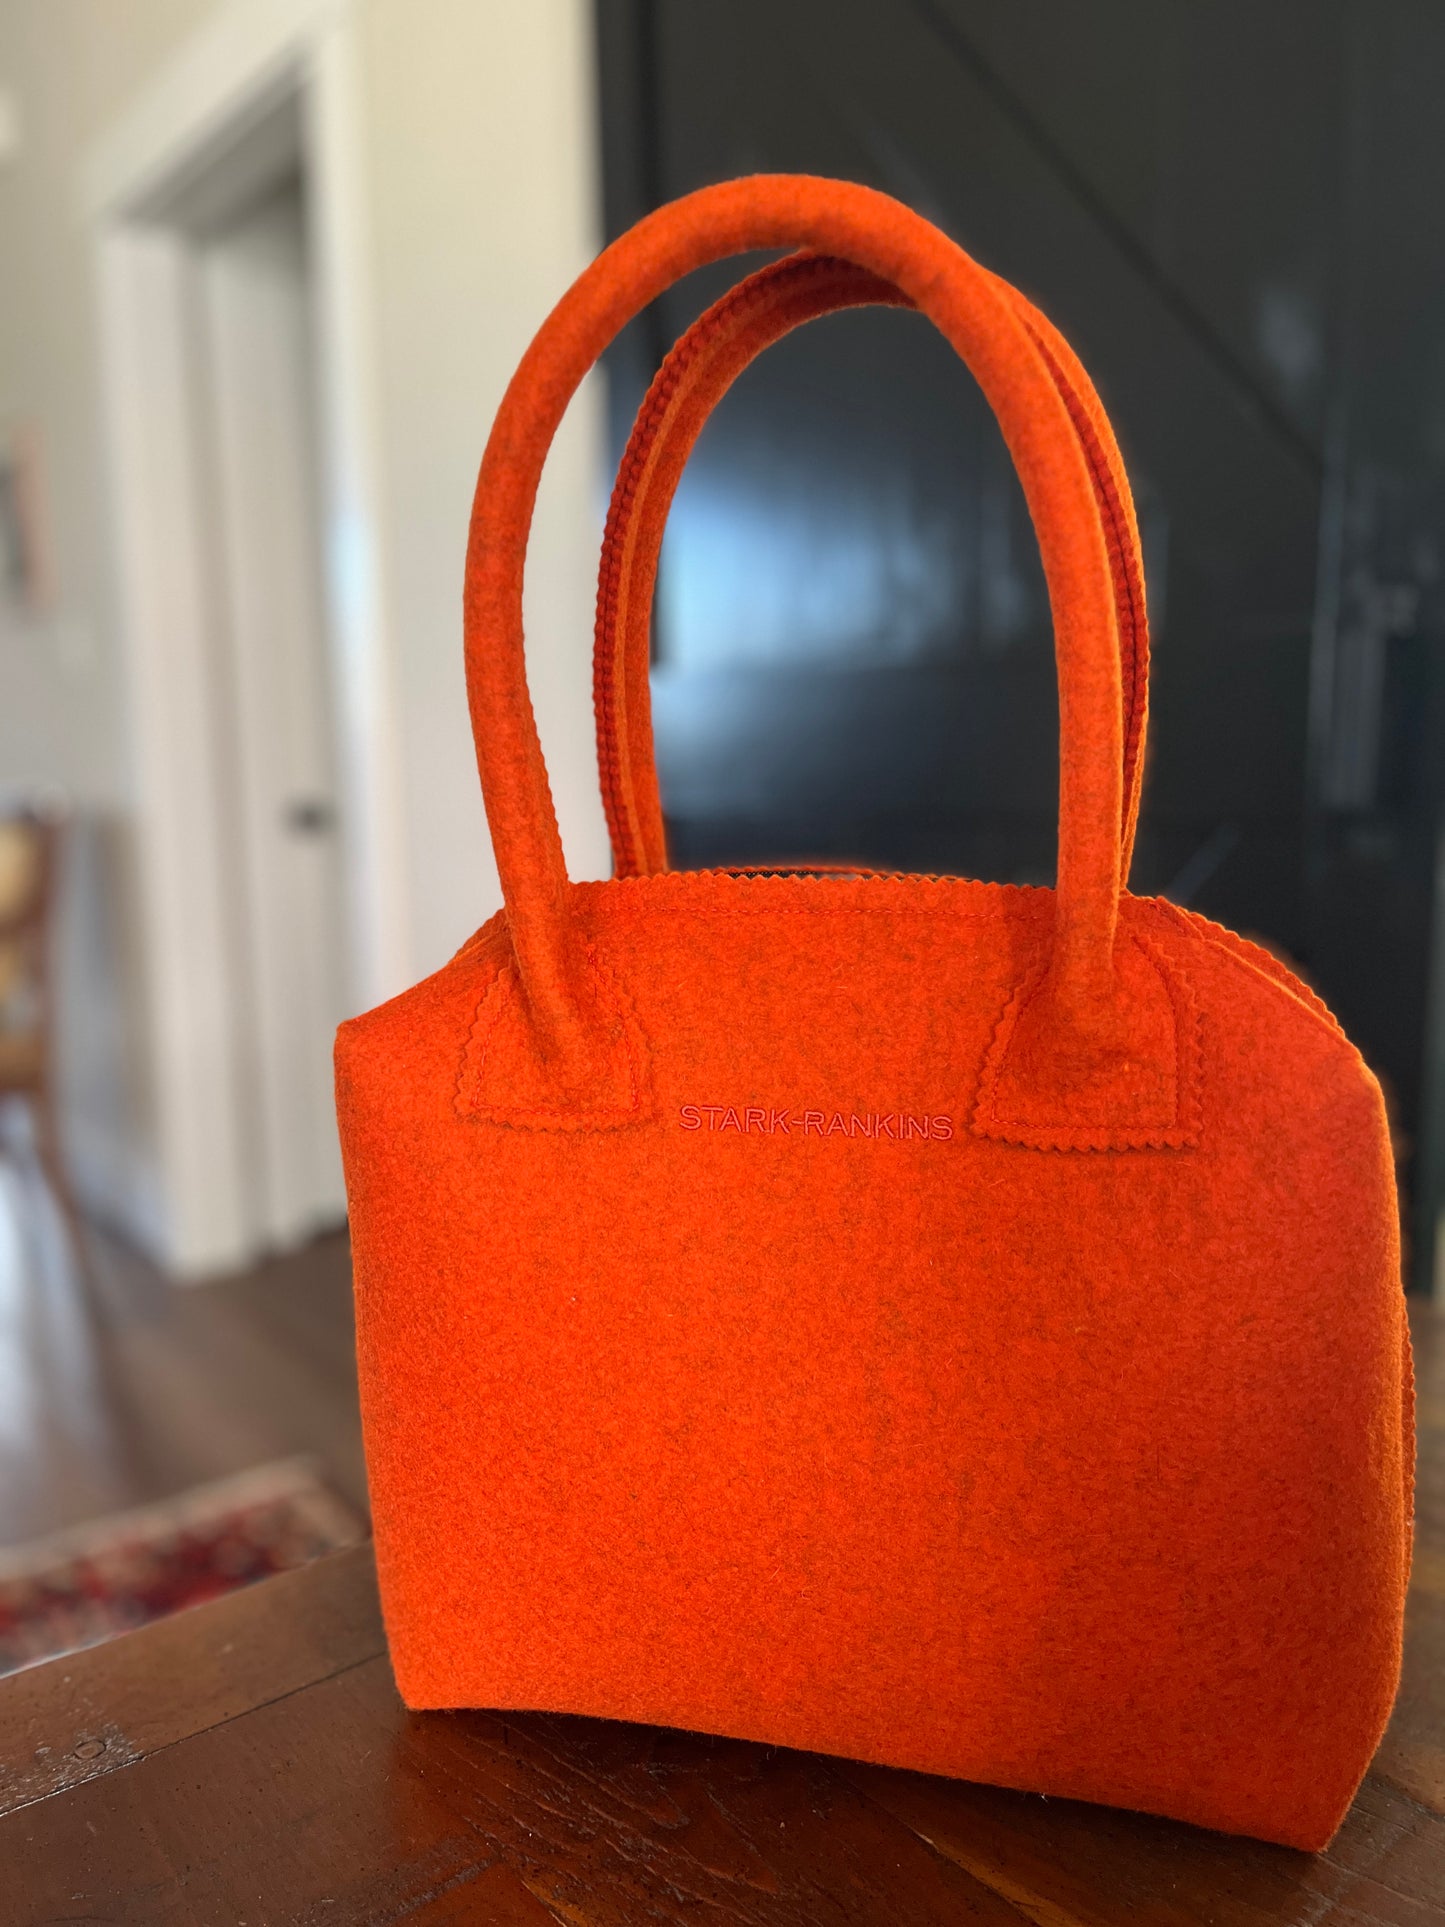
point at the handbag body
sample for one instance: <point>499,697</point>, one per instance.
<point>948,1324</point>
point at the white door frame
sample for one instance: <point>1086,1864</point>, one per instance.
<point>253,55</point>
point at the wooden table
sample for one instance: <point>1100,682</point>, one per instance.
<point>249,1764</point>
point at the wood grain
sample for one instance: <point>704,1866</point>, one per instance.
<point>1068,1865</point>
<point>96,1711</point>
<point>333,1803</point>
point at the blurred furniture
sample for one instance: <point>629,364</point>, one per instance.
<point>250,1760</point>
<point>30,847</point>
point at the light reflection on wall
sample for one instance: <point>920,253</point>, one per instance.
<point>764,567</point>
<point>767,569</point>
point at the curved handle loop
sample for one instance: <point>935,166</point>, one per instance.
<point>692,380</point>
<point>875,232</point>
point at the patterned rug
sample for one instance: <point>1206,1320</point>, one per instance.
<point>89,1583</point>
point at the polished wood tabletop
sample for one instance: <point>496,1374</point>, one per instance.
<point>249,1764</point>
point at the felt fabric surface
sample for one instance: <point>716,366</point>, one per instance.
<point>949,1324</point>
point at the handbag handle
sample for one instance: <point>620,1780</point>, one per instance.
<point>692,380</point>
<point>575,1041</point>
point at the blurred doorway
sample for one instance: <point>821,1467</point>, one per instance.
<point>214,333</point>
<point>230,226</point>
<point>256,365</point>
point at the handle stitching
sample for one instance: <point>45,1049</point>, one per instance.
<point>1114,535</point>
<point>504,994</point>
<point>1188,1122</point>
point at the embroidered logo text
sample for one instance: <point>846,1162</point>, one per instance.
<point>756,1119</point>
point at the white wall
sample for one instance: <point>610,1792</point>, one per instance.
<point>484,208</point>
<point>68,65</point>
<point>479,165</point>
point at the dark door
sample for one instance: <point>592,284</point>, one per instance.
<point>1228,209</point>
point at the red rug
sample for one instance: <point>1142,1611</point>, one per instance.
<point>87,1584</point>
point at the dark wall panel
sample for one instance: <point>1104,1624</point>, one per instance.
<point>1228,210</point>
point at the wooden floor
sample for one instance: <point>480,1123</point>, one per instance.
<point>124,1388</point>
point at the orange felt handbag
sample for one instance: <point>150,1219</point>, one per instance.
<point>944,1323</point>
